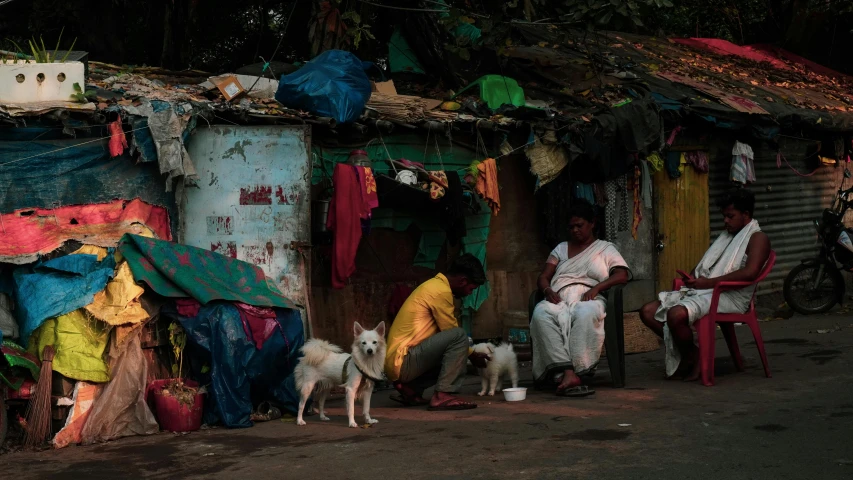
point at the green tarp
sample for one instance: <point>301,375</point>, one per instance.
<point>179,271</point>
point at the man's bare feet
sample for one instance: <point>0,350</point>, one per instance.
<point>569,380</point>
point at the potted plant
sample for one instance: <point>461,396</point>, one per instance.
<point>178,402</point>
<point>38,74</point>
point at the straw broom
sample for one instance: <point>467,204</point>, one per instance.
<point>38,410</point>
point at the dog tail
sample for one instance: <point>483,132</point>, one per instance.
<point>316,351</point>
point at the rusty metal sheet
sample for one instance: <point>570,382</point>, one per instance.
<point>737,102</point>
<point>253,199</point>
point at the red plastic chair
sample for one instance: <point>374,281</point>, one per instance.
<point>705,326</point>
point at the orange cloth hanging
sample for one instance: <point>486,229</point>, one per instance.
<point>487,184</point>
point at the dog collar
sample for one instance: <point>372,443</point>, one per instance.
<point>345,376</point>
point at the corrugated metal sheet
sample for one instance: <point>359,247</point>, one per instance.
<point>253,199</point>
<point>681,213</point>
<point>786,204</point>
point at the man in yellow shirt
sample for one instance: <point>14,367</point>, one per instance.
<point>426,346</point>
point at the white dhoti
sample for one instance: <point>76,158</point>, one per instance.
<point>570,334</point>
<point>726,255</point>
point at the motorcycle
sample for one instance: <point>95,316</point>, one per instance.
<point>816,285</point>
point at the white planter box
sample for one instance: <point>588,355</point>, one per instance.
<point>22,82</point>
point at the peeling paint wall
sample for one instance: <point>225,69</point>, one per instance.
<point>252,199</point>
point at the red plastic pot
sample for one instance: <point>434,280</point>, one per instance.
<point>172,415</point>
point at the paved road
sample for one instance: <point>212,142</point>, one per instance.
<point>797,425</point>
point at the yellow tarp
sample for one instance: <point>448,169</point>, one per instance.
<point>80,341</point>
<point>118,303</point>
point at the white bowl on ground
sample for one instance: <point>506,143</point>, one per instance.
<point>515,394</point>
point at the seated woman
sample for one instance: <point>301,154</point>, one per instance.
<point>567,328</point>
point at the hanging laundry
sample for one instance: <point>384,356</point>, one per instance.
<point>487,184</point>
<point>368,191</point>
<point>646,185</point>
<point>624,209</point>
<point>638,211</point>
<point>451,218</point>
<point>610,188</point>
<point>436,190</point>
<point>743,168</point>
<point>673,164</point>
<point>699,160</point>
<point>118,140</point>
<point>344,221</point>
<point>672,136</point>
<point>600,194</point>
<point>655,161</point>
<point>585,191</point>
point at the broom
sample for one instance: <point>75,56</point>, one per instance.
<point>38,410</point>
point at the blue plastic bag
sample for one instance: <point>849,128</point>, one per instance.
<point>334,84</point>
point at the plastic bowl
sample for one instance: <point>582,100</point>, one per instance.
<point>515,394</point>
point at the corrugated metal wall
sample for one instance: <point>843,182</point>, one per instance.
<point>786,204</point>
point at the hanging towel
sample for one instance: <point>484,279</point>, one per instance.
<point>436,191</point>
<point>655,161</point>
<point>646,185</point>
<point>487,184</point>
<point>368,191</point>
<point>699,160</point>
<point>673,164</point>
<point>585,191</point>
<point>344,221</point>
<point>624,208</point>
<point>743,169</point>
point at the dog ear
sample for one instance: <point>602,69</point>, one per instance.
<point>357,329</point>
<point>380,329</point>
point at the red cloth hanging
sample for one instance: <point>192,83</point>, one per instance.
<point>118,140</point>
<point>344,221</point>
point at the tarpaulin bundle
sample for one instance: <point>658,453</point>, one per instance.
<point>30,233</point>
<point>180,271</point>
<point>334,84</point>
<point>56,287</point>
<point>242,375</point>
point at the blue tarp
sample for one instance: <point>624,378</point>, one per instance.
<point>56,287</point>
<point>68,173</point>
<point>241,375</point>
<point>334,84</point>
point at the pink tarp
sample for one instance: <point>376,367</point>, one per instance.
<point>759,53</point>
<point>26,234</point>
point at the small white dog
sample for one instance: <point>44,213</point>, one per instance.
<point>325,366</point>
<point>503,361</point>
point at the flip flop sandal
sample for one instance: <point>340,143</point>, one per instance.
<point>576,392</point>
<point>461,405</point>
<point>408,402</point>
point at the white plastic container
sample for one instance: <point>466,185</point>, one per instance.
<point>515,394</point>
<point>22,82</point>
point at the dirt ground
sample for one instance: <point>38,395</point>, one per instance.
<point>797,425</point>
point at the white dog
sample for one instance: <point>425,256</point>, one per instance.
<point>502,362</point>
<point>325,366</point>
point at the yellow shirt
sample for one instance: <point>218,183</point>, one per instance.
<point>427,311</point>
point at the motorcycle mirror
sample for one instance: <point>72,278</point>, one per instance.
<point>847,173</point>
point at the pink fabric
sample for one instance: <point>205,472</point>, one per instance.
<point>33,231</point>
<point>118,140</point>
<point>793,57</point>
<point>187,307</point>
<point>259,323</point>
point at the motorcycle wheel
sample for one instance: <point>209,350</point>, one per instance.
<point>803,296</point>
